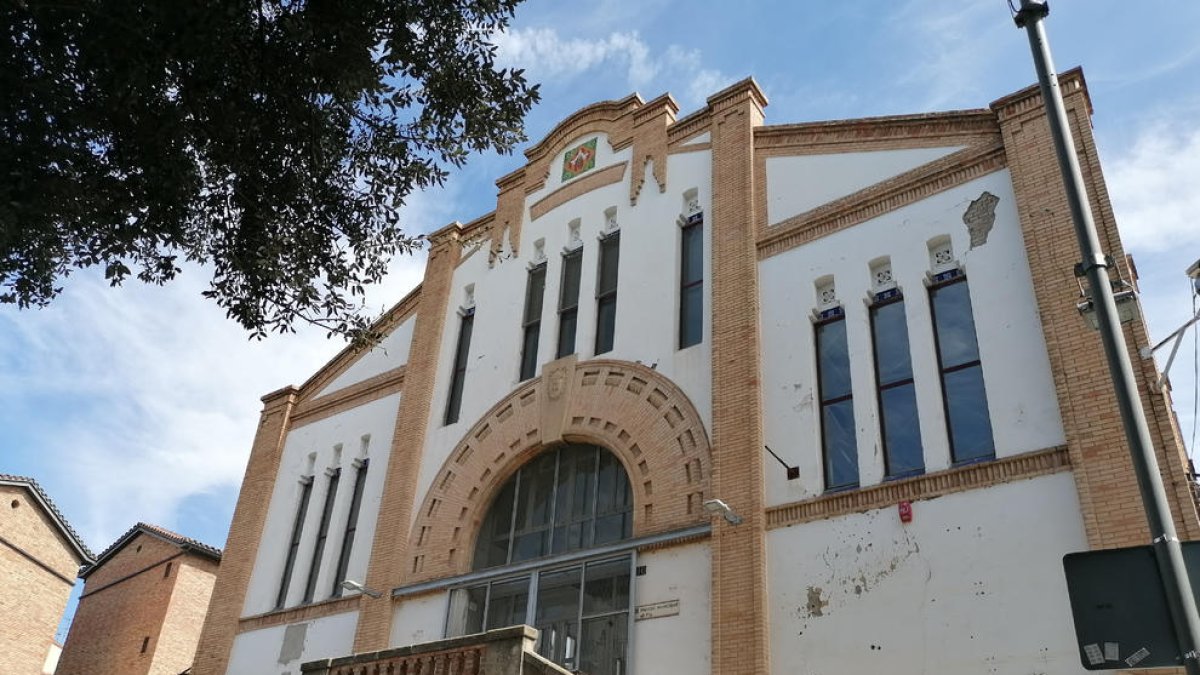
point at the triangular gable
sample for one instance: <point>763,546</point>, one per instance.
<point>47,505</point>
<point>186,544</point>
<point>797,184</point>
<point>321,382</point>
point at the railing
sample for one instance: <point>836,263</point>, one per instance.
<point>506,651</point>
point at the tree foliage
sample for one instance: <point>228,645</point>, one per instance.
<point>273,141</point>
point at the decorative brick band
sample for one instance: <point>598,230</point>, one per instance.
<point>909,187</point>
<point>635,412</point>
<point>606,176</point>
<point>695,147</point>
<point>316,610</point>
<point>958,479</point>
<point>371,389</point>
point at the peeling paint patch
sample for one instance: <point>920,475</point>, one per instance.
<point>980,217</point>
<point>816,604</point>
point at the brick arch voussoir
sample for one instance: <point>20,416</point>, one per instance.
<point>639,415</point>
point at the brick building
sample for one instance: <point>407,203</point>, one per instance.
<point>142,606</point>
<point>40,556</point>
<point>663,403</point>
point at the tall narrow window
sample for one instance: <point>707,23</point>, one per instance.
<point>967,419</point>
<point>531,323</point>
<point>568,302</point>
<point>838,442</point>
<point>322,535</point>
<point>360,479</point>
<point>458,377</point>
<point>294,547</point>
<point>903,454</point>
<point>606,292</point>
<point>691,281</point>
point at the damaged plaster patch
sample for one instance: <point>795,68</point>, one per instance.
<point>980,217</point>
<point>293,642</point>
<point>816,604</point>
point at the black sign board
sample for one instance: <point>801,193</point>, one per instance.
<point>1120,611</point>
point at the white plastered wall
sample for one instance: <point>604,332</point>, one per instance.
<point>391,352</point>
<point>1020,388</point>
<point>974,584</point>
<point>375,420</point>
<point>264,652</point>
<point>419,619</point>
<point>647,296</point>
<point>801,183</point>
<point>679,643</point>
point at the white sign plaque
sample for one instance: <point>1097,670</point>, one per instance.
<point>656,610</point>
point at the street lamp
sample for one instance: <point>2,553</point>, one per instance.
<point>1168,553</point>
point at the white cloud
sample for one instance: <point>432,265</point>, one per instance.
<point>953,43</point>
<point>548,56</point>
<point>1154,187</point>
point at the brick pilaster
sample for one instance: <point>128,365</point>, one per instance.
<point>740,612</point>
<point>388,552</point>
<point>1108,492</point>
<point>241,547</point>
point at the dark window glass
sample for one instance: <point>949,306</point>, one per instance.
<point>605,645</point>
<point>967,419</point>
<point>838,440</point>
<point>507,603</point>
<point>294,547</point>
<point>606,293</point>
<point>691,285</point>
<point>903,453</point>
<point>567,499</point>
<point>360,478</point>
<point>607,588</point>
<point>458,377</point>
<point>557,616</point>
<point>531,323</point>
<point>322,534</point>
<point>568,302</point>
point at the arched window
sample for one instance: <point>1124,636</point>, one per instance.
<point>566,500</point>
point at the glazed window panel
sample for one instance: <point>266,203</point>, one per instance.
<point>839,444</point>
<point>903,451</point>
<point>360,479</point>
<point>289,563</point>
<point>531,323</point>
<point>964,396</point>
<point>568,302</point>
<point>567,499</point>
<point>322,535</point>
<point>691,285</point>
<point>606,293</point>
<point>459,375</point>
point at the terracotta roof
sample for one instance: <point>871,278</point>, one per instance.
<point>186,543</point>
<point>85,554</point>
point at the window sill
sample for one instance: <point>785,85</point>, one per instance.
<point>313,610</point>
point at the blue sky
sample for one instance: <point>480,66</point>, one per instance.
<point>140,403</point>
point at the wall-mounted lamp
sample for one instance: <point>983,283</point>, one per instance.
<point>1124,296</point>
<point>793,472</point>
<point>718,507</point>
<point>355,586</point>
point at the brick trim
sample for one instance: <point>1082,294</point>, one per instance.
<point>957,479</point>
<point>899,191</point>
<point>695,147</point>
<point>29,556</point>
<point>371,389</point>
<point>89,593</point>
<point>317,610</point>
<point>614,173</point>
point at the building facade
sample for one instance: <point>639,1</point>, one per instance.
<point>142,607</point>
<point>708,395</point>
<point>40,555</point>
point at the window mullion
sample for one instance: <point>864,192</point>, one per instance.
<point>512,522</point>
<point>595,498</point>
<point>553,502</point>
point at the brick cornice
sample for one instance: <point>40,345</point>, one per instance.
<point>614,173</point>
<point>907,188</point>
<point>316,610</point>
<point>928,486</point>
<point>1028,101</point>
<point>370,389</point>
<point>581,122</point>
<point>895,131</point>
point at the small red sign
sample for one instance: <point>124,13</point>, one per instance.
<point>905,511</point>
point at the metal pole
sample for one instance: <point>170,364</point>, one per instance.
<point>1167,551</point>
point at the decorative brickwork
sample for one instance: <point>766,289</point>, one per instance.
<point>1112,509</point>
<point>241,548</point>
<point>928,486</point>
<point>388,555</point>
<point>633,411</point>
<point>318,610</point>
<point>739,595</point>
<point>370,389</point>
<point>614,173</point>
